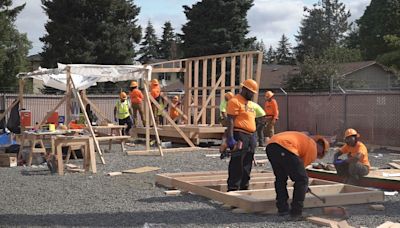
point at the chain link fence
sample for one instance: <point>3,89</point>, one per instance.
<point>374,115</point>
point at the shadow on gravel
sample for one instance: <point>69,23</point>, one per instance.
<point>42,172</point>
<point>171,218</point>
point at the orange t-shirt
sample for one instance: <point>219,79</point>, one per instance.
<point>136,96</point>
<point>155,91</point>
<point>298,143</point>
<point>244,112</point>
<point>271,108</point>
<point>173,112</point>
<point>358,148</point>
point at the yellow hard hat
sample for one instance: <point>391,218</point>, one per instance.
<point>175,98</point>
<point>123,95</point>
<point>154,82</point>
<point>229,95</point>
<point>134,84</point>
<point>251,85</point>
<point>269,94</point>
<point>326,143</point>
<point>350,132</point>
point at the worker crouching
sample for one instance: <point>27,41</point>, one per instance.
<point>289,153</point>
<point>240,136</point>
<point>357,164</point>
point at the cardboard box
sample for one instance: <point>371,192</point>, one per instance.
<point>8,160</point>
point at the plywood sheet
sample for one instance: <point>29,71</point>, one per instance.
<point>141,169</point>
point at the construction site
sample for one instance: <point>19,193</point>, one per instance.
<point>169,173</point>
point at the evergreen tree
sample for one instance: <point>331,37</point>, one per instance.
<point>14,46</point>
<point>149,46</point>
<point>381,18</point>
<point>270,57</point>
<point>260,46</point>
<point>325,25</point>
<point>168,42</point>
<point>96,31</point>
<point>284,54</point>
<point>215,27</point>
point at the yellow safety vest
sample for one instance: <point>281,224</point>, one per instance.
<point>122,109</point>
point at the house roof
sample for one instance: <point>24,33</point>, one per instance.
<point>273,76</point>
<point>176,86</point>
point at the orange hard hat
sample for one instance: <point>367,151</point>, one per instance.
<point>134,84</point>
<point>350,132</point>
<point>228,95</point>
<point>154,82</point>
<point>123,95</point>
<point>251,85</point>
<point>325,142</point>
<point>269,94</point>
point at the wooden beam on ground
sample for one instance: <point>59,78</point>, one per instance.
<point>394,165</point>
<point>89,124</point>
<point>155,152</point>
<point>141,170</point>
<point>188,141</point>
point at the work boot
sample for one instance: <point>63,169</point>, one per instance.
<point>283,213</point>
<point>260,143</point>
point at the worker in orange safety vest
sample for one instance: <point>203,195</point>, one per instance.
<point>136,97</point>
<point>272,114</point>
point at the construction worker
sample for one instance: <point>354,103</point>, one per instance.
<point>240,135</point>
<point>222,108</point>
<point>272,111</point>
<point>123,112</point>
<point>173,111</point>
<point>357,164</point>
<point>155,92</point>
<point>136,97</point>
<point>289,153</point>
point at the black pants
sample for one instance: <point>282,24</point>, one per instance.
<point>260,131</point>
<point>128,122</point>
<point>241,162</point>
<point>286,164</point>
<point>352,171</point>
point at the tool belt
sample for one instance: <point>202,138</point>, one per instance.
<point>243,131</point>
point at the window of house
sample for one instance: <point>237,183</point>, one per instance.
<point>165,76</point>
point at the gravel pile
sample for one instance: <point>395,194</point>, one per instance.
<point>31,196</point>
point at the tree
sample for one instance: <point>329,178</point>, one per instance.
<point>392,58</point>
<point>97,31</point>
<point>381,18</point>
<point>321,74</point>
<point>149,46</point>
<point>168,42</point>
<point>283,53</point>
<point>14,46</point>
<point>270,57</point>
<point>215,27</point>
<point>323,26</point>
<point>260,46</point>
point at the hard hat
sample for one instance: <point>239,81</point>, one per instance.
<point>134,84</point>
<point>269,94</point>
<point>326,143</point>
<point>175,98</point>
<point>350,132</point>
<point>123,95</point>
<point>228,95</point>
<point>251,85</point>
<point>154,82</point>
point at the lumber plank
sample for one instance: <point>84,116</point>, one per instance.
<point>111,174</point>
<point>172,192</point>
<point>233,73</point>
<point>204,92</point>
<point>196,92</point>
<point>322,221</point>
<point>394,165</point>
<point>141,170</point>
<point>213,79</point>
<point>258,71</point>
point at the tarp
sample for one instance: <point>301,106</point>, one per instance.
<point>87,75</point>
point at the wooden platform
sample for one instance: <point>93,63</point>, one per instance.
<point>194,132</point>
<point>261,196</point>
<point>375,178</point>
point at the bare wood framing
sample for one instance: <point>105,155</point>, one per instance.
<point>94,106</point>
<point>204,93</point>
<point>210,97</point>
<point>223,71</point>
<point>89,124</point>
<point>242,68</point>
<point>196,92</point>
<point>258,71</point>
<point>177,108</point>
<point>233,73</point>
<point>213,79</point>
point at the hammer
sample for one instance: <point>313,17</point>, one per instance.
<point>323,200</point>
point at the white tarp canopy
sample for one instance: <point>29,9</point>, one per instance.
<point>87,75</point>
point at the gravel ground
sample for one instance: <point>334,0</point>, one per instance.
<point>33,197</point>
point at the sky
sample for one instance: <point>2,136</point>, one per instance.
<point>268,19</point>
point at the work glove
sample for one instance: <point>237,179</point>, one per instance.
<point>231,142</point>
<point>116,119</point>
<point>339,161</point>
